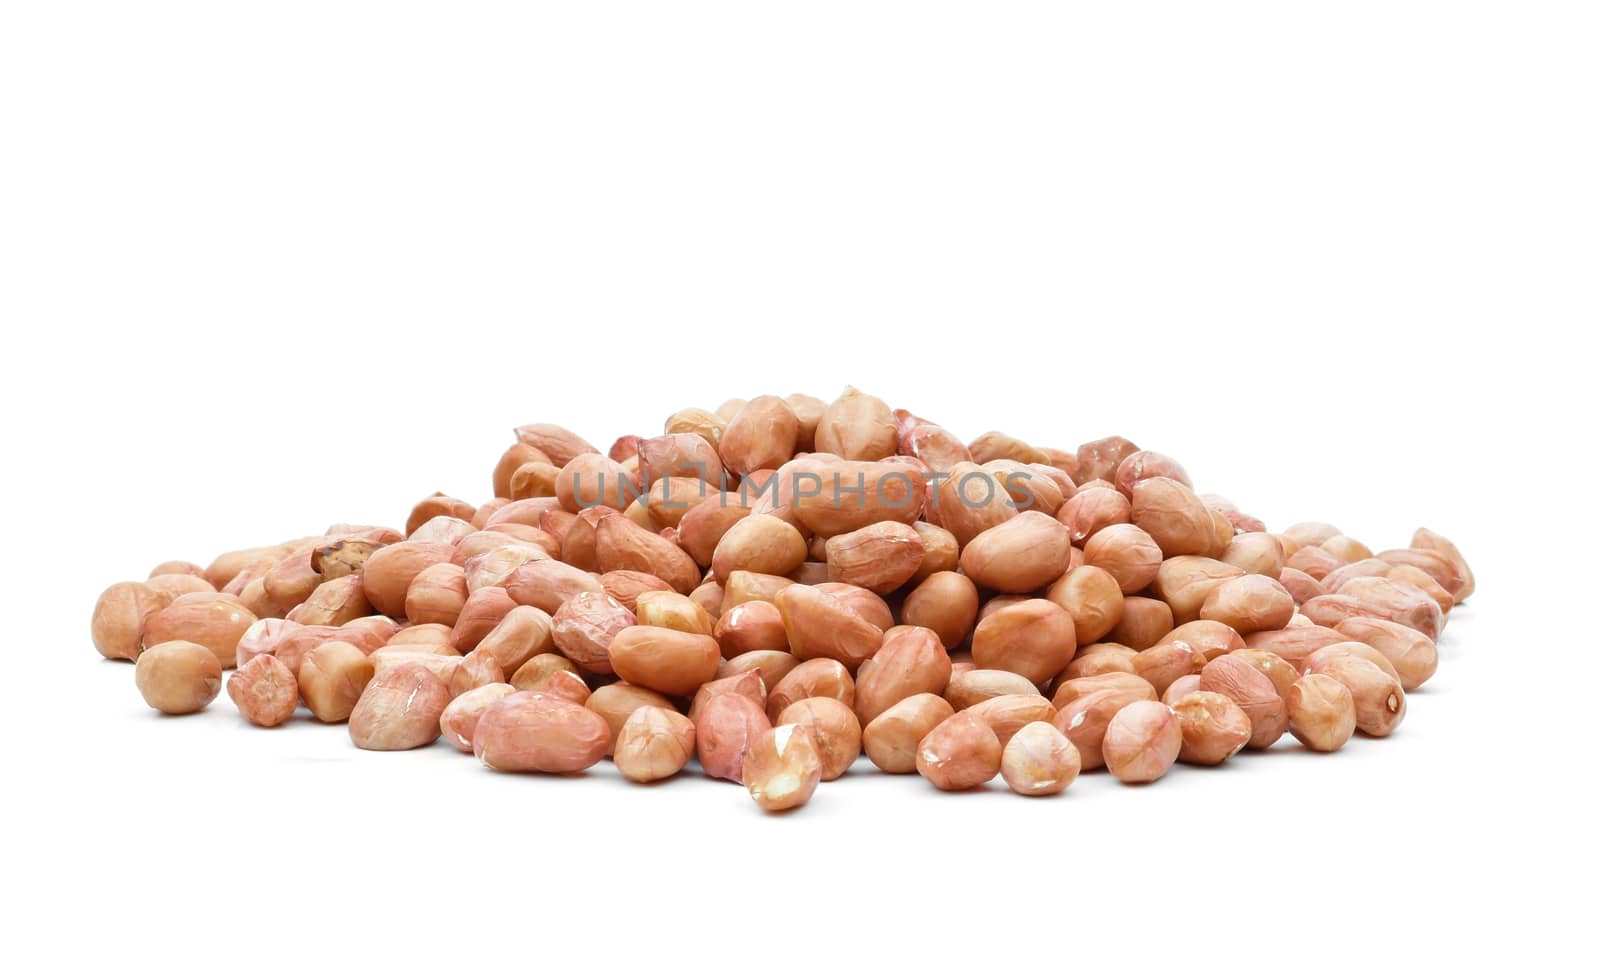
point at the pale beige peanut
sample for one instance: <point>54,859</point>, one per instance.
<point>1142,741</point>
<point>178,677</point>
<point>835,728</point>
<point>1006,714</point>
<point>968,688</point>
<point>1380,702</point>
<point>1084,719</point>
<point>782,767</point>
<point>399,709</point>
<point>615,702</point>
<point>332,678</point>
<point>1214,727</point>
<point>1253,692</point>
<point>1249,603</point>
<point>264,690</point>
<point>761,435</point>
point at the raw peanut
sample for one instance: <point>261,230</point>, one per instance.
<point>497,567</point>
<point>1142,741</point>
<point>178,677</point>
<point>1185,582</point>
<point>747,683</point>
<point>1099,459</point>
<point>536,672</point>
<point>1034,638</point>
<point>673,611</point>
<point>1173,516</point>
<point>547,584</point>
<point>1302,586</point>
<point>475,670</point>
<point>623,545</point>
<point>213,620</point>
<point>890,740</point>
<point>178,568</point>
<point>522,633</point>
<point>435,506</point>
<point>744,587</point>
<point>1281,673</point>
<point>1145,621</point>
<point>336,602</point>
<point>1399,602</point>
<point>528,731</point>
<point>1324,656</point>
<point>1415,658</point>
<point>753,626</point>
<point>594,480</point>
<point>1446,572</point>
<point>1258,553</point>
<point>731,407</point>
<point>580,545</point>
<point>119,617</point>
<point>727,727</point>
<point>696,421</point>
<point>1039,760</point>
<point>1071,689</point>
<point>1020,555</point>
<point>817,678</point>
<point>668,661</point>
<point>679,455</point>
<point>1314,560</point>
<point>584,627</point>
<point>399,709</point>
<point>834,497</point>
<point>1146,466</point>
<point>1311,534</point>
<point>773,666</point>
<point>1084,719</point>
<point>1094,599</point>
<point>1249,603</point>
<point>1322,712</point>
<point>968,688</point>
<point>1345,548</point>
<point>459,720</point>
<point>627,586</point>
<point>1028,487</point>
<point>534,480</point>
<point>1007,714</point>
<point>822,626</point>
<point>264,691</point>
<point>782,768</point>
<point>761,435</point>
<point>880,557</point>
<point>857,427</point>
<point>704,526</point>
<point>445,530</point>
<point>1295,644</point>
<point>332,679</point>
<point>289,583</point>
<point>615,702</point>
<point>962,752</point>
<point>654,743</point>
<point>1127,552</point>
<point>931,444</point>
<point>419,639</point>
<point>1253,692</point>
<point>808,412</point>
<point>861,602</point>
<point>1167,662</point>
<point>512,459</point>
<point>1405,573</point>
<point>911,661</point>
<point>1428,541</point>
<point>946,603</point>
<point>940,551</point>
<point>1181,688</point>
<point>971,501</point>
<point>835,728</point>
<point>1213,726</point>
<point>481,614</point>
<point>284,639</point>
<point>176,585</point>
<point>991,446</point>
<point>759,544</point>
<point>437,595</point>
<point>1101,658</point>
<point>1092,510</point>
<point>710,596</point>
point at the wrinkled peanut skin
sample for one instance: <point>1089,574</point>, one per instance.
<point>962,752</point>
<point>531,731</point>
<point>1039,761</point>
<point>399,709</point>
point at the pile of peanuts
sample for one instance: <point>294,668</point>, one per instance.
<point>772,587</point>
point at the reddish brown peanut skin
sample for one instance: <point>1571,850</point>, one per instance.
<point>178,677</point>
<point>962,752</point>
<point>671,662</point>
<point>535,732</point>
<point>1380,702</point>
<point>1322,712</point>
<point>835,729</point>
<point>890,740</point>
<point>654,744</point>
<point>1020,555</point>
<point>1033,638</point>
<point>1253,692</point>
<point>264,690</point>
<point>1039,761</point>
<point>1142,742</point>
<point>946,603</point>
<point>820,625</point>
<point>399,709</point>
<point>911,661</point>
<point>782,768</point>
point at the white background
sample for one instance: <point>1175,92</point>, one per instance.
<point>264,271</point>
